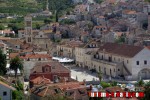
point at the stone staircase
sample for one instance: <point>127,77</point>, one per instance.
<point>126,69</point>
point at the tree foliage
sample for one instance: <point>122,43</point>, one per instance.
<point>99,1</point>
<point>3,63</point>
<point>147,91</point>
<point>2,27</point>
<point>17,95</point>
<point>104,84</point>
<point>140,83</point>
<point>100,76</point>
<point>67,21</point>
<point>15,64</point>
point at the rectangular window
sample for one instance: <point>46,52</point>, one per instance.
<point>4,93</point>
<point>137,62</point>
<point>145,62</point>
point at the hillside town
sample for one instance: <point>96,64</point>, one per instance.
<point>94,47</point>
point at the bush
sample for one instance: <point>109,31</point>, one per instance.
<point>114,83</point>
<point>2,27</point>
<point>19,85</point>
<point>104,84</point>
<point>67,21</point>
<point>17,95</point>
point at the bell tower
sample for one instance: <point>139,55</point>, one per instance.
<point>28,29</point>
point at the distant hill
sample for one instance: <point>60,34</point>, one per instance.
<point>23,7</point>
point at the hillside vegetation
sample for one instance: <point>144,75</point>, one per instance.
<point>22,7</point>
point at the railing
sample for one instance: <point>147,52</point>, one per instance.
<point>127,70</point>
<point>105,61</point>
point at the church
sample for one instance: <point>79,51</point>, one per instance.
<point>36,37</point>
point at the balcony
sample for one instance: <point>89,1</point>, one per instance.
<point>104,61</point>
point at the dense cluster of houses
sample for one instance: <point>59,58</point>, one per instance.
<point>112,37</point>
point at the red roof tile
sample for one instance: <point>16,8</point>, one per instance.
<point>120,49</point>
<point>56,67</point>
<point>36,56</point>
<point>13,55</point>
<point>40,80</point>
<point>6,85</point>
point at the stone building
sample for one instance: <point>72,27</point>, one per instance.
<point>118,60</point>
<point>36,37</point>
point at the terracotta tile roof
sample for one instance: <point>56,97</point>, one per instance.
<point>13,55</point>
<point>56,67</point>
<point>20,30</point>
<point>4,38</point>
<point>124,99</point>
<point>72,43</point>
<point>129,12</point>
<point>1,45</point>
<point>101,17</point>
<point>111,1</point>
<point>36,56</point>
<point>47,31</point>
<point>14,41</point>
<point>148,47</point>
<point>44,90</point>
<point>69,85</point>
<point>144,35</point>
<point>49,89</point>
<point>114,89</point>
<point>40,80</point>
<point>6,85</point>
<point>8,31</point>
<point>121,33</point>
<point>120,49</point>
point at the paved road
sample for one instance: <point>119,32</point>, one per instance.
<point>80,74</point>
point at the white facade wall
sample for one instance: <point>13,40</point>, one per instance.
<point>8,91</point>
<point>142,56</point>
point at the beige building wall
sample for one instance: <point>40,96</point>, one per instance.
<point>88,61</point>
<point>43,43</point>
<point>81,57</point>
<point>67,51</point>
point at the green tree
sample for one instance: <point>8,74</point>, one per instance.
<point>47,21</point>
<point>37,26</point>
<point>114,83</point>
<point>15,64</point>
<point>17,95</point>
<point>100,76</point>
<point>98,1</point>
<point>147,91</point>
<point>104,84</point>
<point>67,21</point>
<point>140,83</point>
<point>3,63</point>
<point>2,27</point>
